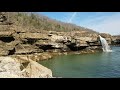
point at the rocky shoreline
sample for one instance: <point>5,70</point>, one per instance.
<point>46,56</point>
<point>25,46</point>
<point>27,66</point>
<point>28,44</point>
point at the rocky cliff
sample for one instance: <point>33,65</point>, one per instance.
<point>29,33</point>
<point>27,42</point>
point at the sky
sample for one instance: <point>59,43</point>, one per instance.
<point>103,22</point>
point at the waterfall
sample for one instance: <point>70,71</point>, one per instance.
<point>105,46</point>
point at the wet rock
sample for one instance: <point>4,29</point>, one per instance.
<point>107,36</point>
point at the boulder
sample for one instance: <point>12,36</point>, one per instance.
<point>35,70</point>
<point>107,36</point>
<point>11,68</point>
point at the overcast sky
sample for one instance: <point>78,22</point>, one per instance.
<point>103,22</point>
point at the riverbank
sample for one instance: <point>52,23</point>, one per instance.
<point>27,66</point>
<point>49,55</point>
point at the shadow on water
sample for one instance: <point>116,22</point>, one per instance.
<point>98,65</point>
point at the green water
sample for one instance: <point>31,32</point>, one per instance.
<point>98,65</point>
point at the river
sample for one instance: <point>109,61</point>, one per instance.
<point>97,65</point>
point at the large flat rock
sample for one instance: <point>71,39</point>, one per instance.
<point>36,70</point>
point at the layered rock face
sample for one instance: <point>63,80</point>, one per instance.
<point>15,39</point>
<point>19,42</point>
<point>116,40</point>
<point>16,42</point>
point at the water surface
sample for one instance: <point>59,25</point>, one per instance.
<point>98,65</point>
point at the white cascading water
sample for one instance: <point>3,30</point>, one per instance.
<point>105,46</point>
